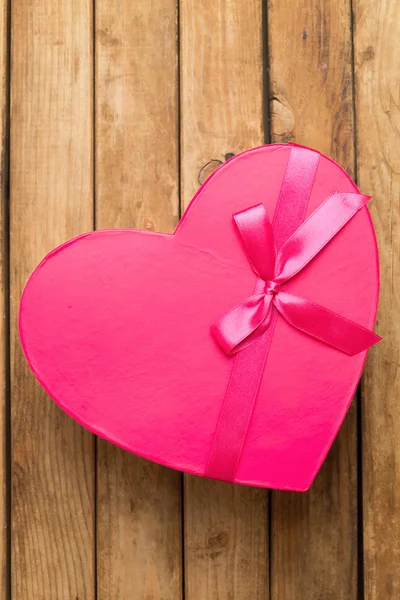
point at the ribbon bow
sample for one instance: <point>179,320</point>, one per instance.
<point>247,321</point>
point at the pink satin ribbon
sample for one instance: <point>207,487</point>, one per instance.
<point>242,325</point>
<point>276,255</point>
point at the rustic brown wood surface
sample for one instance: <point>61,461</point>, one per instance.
<point>311,102</point>
<point>112,115</point>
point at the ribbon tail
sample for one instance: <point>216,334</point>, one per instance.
<point>242,325</point>
<point>324,325</point>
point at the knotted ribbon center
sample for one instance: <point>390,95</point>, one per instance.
<point>271,288</point>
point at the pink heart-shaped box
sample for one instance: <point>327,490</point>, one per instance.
<point>115,325</point>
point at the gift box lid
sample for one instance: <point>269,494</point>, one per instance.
<point>231,348</point>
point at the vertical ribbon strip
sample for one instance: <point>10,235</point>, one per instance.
<point>248,365</point>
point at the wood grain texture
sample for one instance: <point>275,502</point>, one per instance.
<point>3,305</point>
<point>137,114</point>
<point>226,551</point>
<point>51,201</point>
<point>314,535</point>
<point>377,69</point>
<point>221,85</point>
<point>226,533</point>
<point>139,503</point>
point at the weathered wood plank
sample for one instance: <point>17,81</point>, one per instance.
<point>139,503</point>
<point>377,70</point>
<point>221,85</point>
<point>226,552</point>
<point>51,201</point>
<point>226,533</point>
<point>314,535</point>
<point>3,305</point>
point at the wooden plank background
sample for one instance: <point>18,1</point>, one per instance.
<point>112,115</point>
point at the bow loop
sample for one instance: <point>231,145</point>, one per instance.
<point>255,231</point>
<point>316,232</point>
